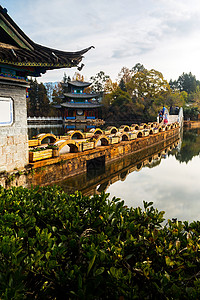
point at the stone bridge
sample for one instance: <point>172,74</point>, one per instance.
<point>70,164</point>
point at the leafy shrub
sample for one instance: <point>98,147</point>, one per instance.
<point>59,246</point>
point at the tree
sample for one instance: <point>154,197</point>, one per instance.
<point>32,99</point>
<point>77,76</point>
<point>187,82</point>
<point>147,84</point>
<point>43,101</point>
<point>190,112</point>
<point>98,82</point>
<point>195,97</point>
<point>110,86</point>
<point>120,97</point>
<point>38,102</point>
<point>57,92</point>
<point>125,74</point>
<point>49,87</point>
<point>138,68</point>
<point>122,85</point>
<point>177,98</point>
<point>173,85</point>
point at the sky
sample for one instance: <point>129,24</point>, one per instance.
<point>160,34</point>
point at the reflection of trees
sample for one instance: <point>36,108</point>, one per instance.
<point>190,146</point>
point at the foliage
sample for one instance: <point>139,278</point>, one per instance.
<point>98,82</point>
<point>59,246</point>
<point>42,148</point>
<point>190,113</point>
<point>122,85</point>
<point>186,82</point>
<point>147,84</point>
<point>38,103</point>
<point>174,99</point>
<point>56,95</point>
<point>140,95</point>
<point>125,74</point>
<point>77,76</point>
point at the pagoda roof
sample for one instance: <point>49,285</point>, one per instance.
<point>79,84</point>
<point>17,49</point>
<point>81,105</point>
<point>81,96</point>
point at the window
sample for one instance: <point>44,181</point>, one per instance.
<point>6,111</point>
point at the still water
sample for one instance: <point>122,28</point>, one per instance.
<point>170,178</point>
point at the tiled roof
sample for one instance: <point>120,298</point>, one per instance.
<point>17,49</point>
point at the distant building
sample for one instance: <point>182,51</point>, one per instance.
<point>78,105</point>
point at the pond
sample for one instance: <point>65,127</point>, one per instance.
<point>173,185</point>
<point>170,178</point>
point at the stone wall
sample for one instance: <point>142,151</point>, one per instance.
<point>14,138</point>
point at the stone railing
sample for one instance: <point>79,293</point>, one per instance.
<point>44,119</point>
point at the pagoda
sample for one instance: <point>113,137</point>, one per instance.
<point>20,57</point>
<point>78,105</point>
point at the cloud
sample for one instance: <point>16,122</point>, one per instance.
<point>160,34</point>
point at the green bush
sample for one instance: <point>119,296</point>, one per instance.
<point>59,246</point>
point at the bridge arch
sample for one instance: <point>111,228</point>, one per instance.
<point>143,125</point>
<point>139,134</point>
<point>46,138</point>
<point>151,125</point>
<point>101,140</point>
<point>76,135</point>
<point>98,131</point>
<point>111,129</point>
<point>161,128</point>
<point>67,146</point>
<point>134,127</point>
<point>124,137</point>
<point>124,128</point>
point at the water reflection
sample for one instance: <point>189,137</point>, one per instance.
<point>99,178</point>
<point>190,146</point>
<point>169,177</point>
<point>173,186</point>
<point>59,129</point>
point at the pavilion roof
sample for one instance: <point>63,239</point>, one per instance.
<point>80,84</point>
<point>81,96</point>
<point>81,105</point>
<point>17,49</point>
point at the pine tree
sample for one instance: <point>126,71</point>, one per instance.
<point>38,101</point>
<point>122,85</point>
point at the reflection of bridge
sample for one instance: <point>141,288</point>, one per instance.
<point>100,179</point>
